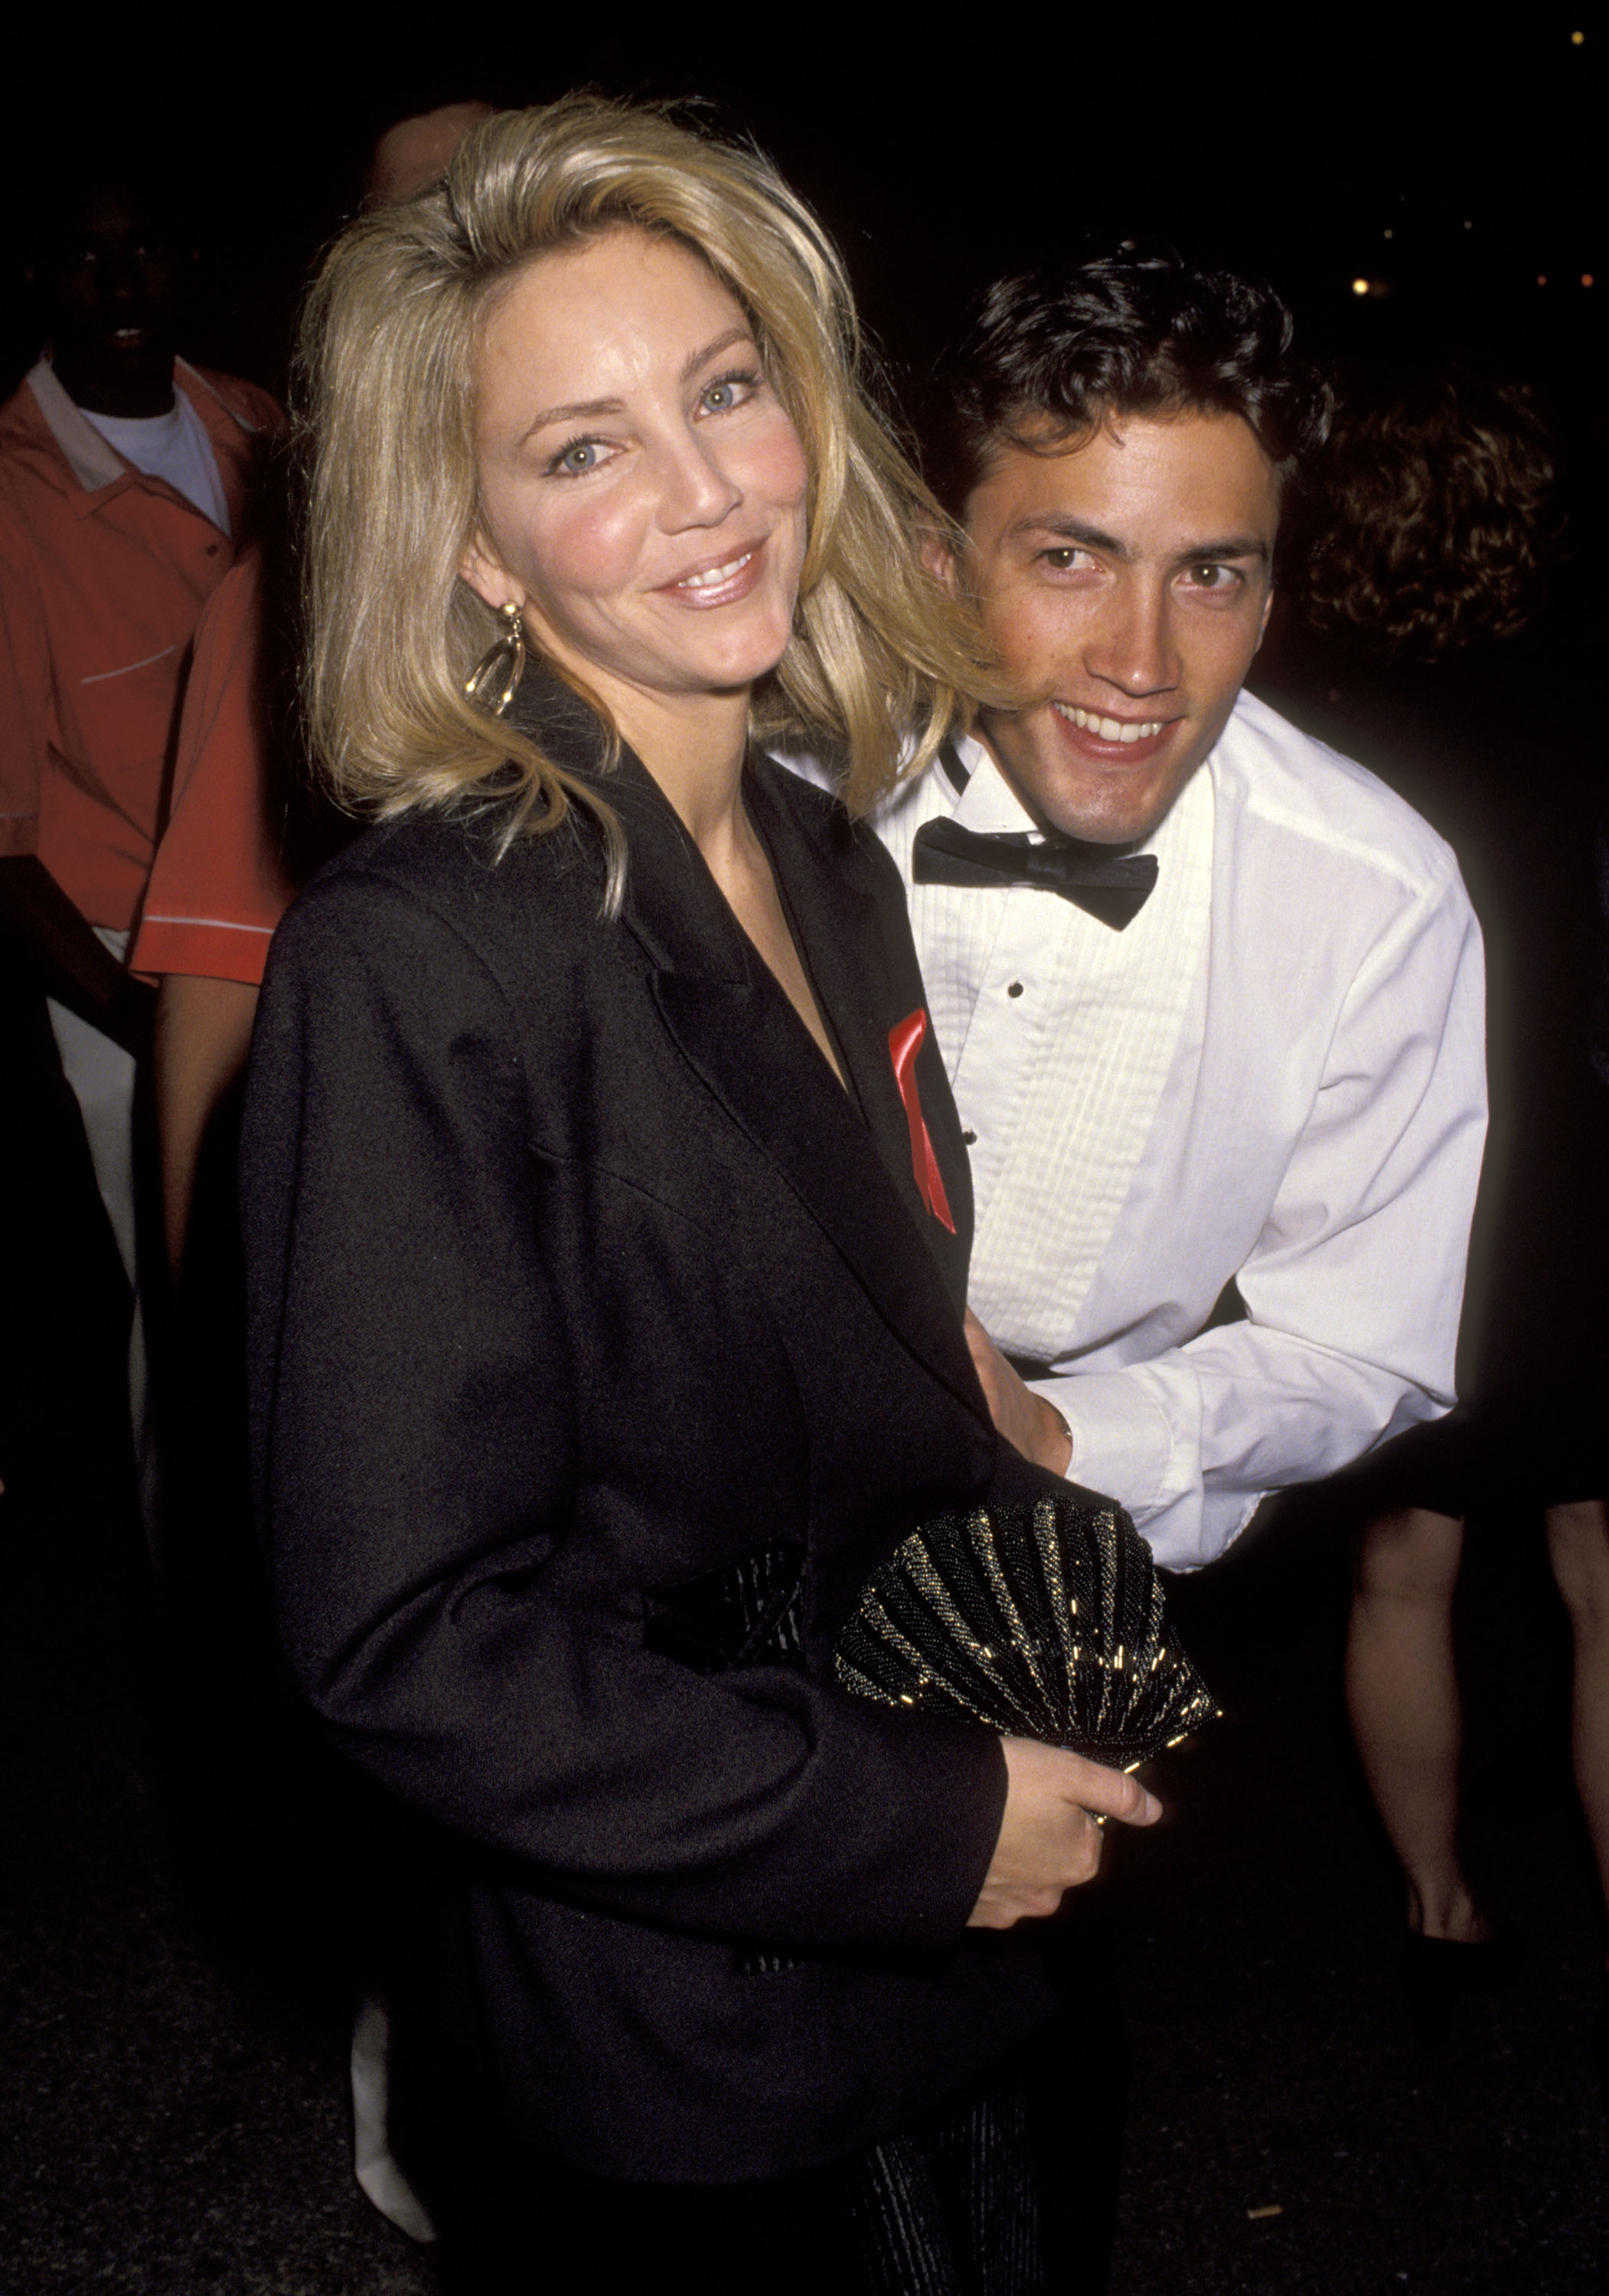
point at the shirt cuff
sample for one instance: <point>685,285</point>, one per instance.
<point>1123,1442</point>
<point>217,950</point>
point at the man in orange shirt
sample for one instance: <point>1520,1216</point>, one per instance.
<point>225,871</point>
<point>124,475</point>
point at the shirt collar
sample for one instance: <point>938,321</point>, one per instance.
<point>92,460</point>
<point>989,806</point>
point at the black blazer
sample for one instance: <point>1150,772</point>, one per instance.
<point>576,1277</point>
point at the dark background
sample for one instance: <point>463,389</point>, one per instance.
<point>1450,166</point>
<point>170,2096</point>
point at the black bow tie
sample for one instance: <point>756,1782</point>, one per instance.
<point>1110,886</point>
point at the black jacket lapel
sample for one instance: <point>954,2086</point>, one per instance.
<point>735,1027</point>
<point>842,928</point>
<point>804,1124</point>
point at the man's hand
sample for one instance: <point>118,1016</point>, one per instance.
<point>1028,1422</point>
<point>1049,1842</point>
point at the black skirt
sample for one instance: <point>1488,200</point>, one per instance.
<point>1538,1444</point>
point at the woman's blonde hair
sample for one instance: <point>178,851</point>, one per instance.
<point>881,662</point>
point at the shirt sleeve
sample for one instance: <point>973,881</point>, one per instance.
<point>24,696</point>
<point>1354,1291</point>
<point>220,883</point>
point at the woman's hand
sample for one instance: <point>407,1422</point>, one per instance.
<point>1049,1842</point>
<point>1028,1423</point>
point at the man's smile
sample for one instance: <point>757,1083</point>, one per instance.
<point>1095,735</point>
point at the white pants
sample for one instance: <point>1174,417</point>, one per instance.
<point>102,1076</point>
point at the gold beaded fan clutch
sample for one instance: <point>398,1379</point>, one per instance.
<point>1044,1619</point>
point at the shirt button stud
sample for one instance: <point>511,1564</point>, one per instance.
<point>1015,989</point>
<point>971,1139</point>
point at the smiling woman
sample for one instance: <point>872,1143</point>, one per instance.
<point>425,429</point>
<point>607,1228</point>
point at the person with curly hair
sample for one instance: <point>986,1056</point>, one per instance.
<point>1211,996</point>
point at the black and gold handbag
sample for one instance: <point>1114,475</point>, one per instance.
<point>1043,1619</point>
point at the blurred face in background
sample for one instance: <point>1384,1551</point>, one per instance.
<point>644,488</point>
<point>417,152</point>
<point>1126,578</point>
<point>110,280</point>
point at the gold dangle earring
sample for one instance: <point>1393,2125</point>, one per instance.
<point>495,680</point>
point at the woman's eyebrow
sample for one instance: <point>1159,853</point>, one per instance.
<point>580,410</point>
<point>698,359</point>
<point>583,410</point>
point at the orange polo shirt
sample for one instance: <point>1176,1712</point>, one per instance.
<point>104,574</point>
<point>220,883</point>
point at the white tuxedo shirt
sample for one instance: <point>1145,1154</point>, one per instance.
<point>1275,1075</point>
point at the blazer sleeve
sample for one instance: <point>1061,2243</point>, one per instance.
<point>416,1474</point>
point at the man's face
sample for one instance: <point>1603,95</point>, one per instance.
<point>1126,580</point>
<point>111,284</point>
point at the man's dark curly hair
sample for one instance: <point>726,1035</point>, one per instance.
<point>1048,356</point>
<point>1429,522</point>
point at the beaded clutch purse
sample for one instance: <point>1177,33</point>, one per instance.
<point>1044,1620</point>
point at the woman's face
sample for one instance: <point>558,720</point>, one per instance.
<point>643,487</point>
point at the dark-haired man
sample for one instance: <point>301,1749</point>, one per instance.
<point>124,476</point>
<point>1211,996</point>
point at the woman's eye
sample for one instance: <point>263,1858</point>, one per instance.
<point>719,397</point>
<point>574,461</point>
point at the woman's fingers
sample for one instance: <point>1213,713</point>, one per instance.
<point>1049,1841</point>
<point>1110,1794</point>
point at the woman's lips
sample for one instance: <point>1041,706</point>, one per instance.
<point>1121,741</point>
<point>721,582</point>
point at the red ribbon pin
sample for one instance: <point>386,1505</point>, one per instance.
<point>905,1042</point>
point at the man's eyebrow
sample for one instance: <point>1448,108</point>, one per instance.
<point>1066,528</point>
<point>1238,546</point>
<point>583,410</point>
<point>1072,529</point>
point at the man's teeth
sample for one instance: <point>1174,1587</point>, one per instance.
<point>1109,729</point>
<point>716,574</point>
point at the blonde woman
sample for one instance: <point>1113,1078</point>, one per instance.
<point>607,1224</point>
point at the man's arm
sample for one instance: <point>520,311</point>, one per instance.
<point>1354,1291</point>
<point>203,1033</point>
